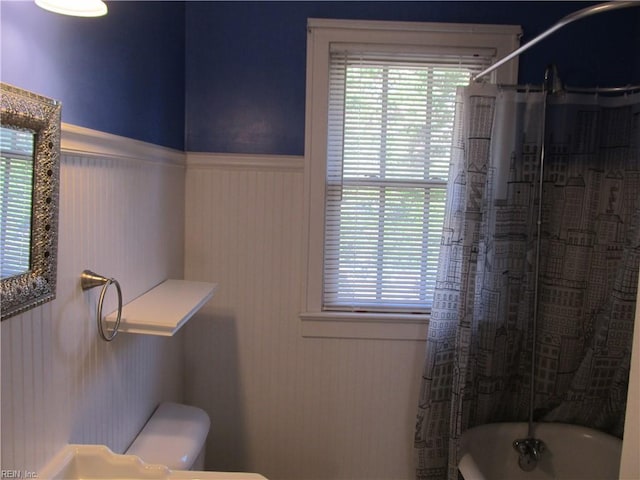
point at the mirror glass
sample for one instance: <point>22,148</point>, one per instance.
<point>29,188</point>
<point>16,188</point>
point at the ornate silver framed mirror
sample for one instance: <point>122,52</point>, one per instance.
<point>29,192</point>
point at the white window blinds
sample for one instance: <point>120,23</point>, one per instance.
<point>390,128</point>
<point>16,187</point>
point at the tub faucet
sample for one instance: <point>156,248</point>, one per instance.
<point>529,450</point>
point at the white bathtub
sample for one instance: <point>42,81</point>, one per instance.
<point>572,452</point>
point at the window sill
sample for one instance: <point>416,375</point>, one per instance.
<point>379,326</point>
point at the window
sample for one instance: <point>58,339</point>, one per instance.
<point>16,186</point>
<point>380,111</point>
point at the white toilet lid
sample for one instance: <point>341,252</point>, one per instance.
<point>173,436</point>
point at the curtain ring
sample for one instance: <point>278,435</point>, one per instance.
<point>101,329</point>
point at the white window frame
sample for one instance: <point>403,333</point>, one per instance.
<point>321,34</point>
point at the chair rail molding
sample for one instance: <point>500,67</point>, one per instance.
<point>81,141</point>
<point>243,161</point>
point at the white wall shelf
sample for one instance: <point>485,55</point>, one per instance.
<point>164,309</point>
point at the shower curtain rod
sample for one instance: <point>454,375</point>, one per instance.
<point>585,12</point>
<point>625,89</point>
<point>569,89</point>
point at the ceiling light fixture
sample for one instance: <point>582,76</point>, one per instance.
<point>76,8</point>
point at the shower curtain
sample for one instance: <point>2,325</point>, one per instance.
<point>477,366</point>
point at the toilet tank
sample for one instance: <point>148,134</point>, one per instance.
<point>174,436</point>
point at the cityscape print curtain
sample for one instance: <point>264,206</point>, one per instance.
<point>477,367</point>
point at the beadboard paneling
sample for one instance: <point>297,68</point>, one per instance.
<point>289,407</point>
<point>122,216</point>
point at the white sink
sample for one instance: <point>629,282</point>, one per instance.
<point>93,462</point>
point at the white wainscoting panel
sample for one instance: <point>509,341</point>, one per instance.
<point>121,215</point>
<point>289,407</point>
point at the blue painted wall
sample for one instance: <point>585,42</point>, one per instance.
<point>230,76</point>
<point>245,61</point>
<point>122,73</point>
